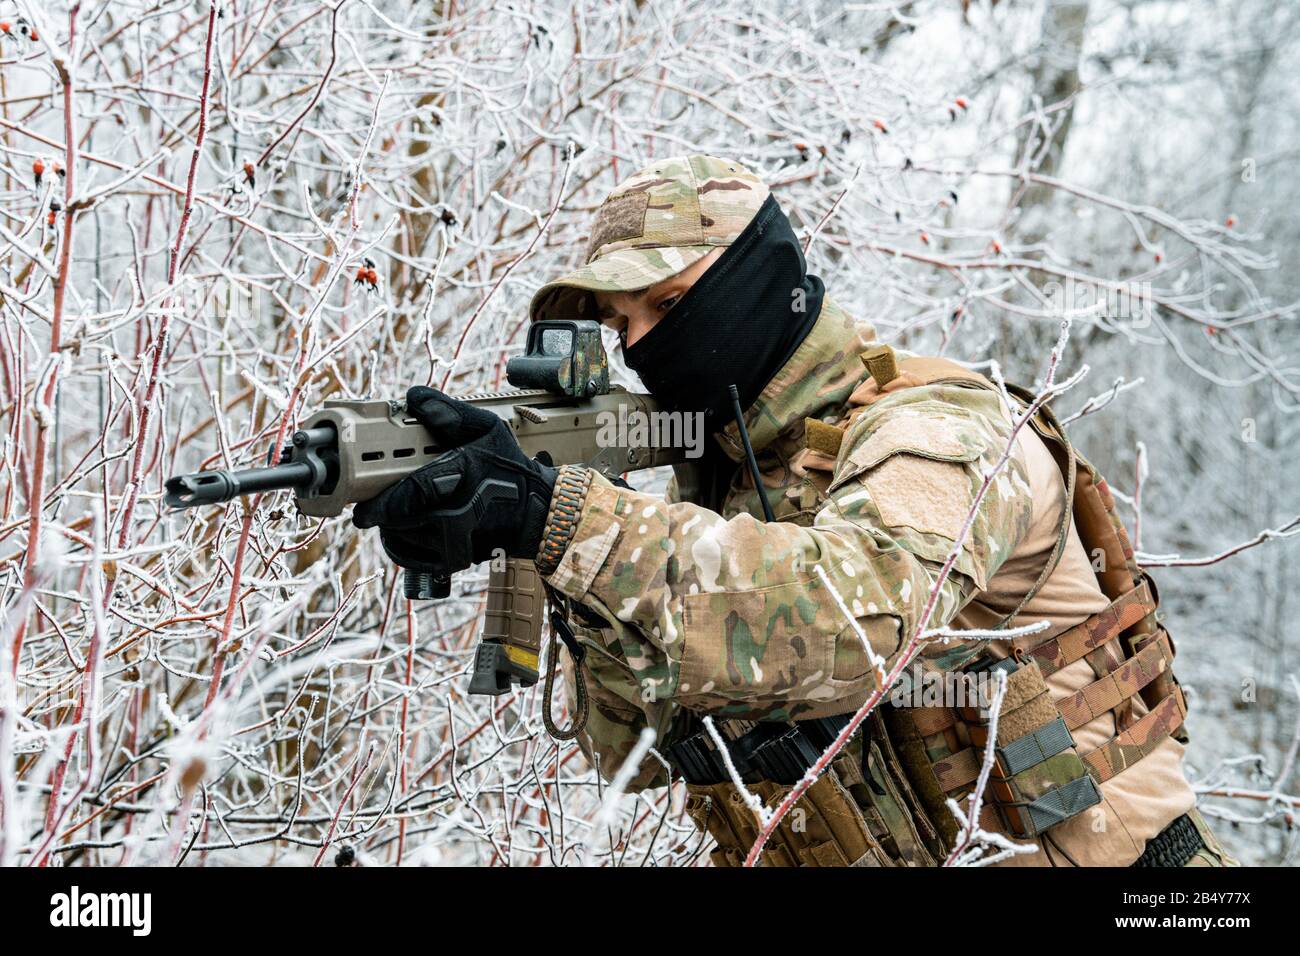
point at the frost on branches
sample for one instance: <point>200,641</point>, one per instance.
<point>215,216</point>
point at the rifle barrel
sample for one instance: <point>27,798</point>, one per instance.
<point>214,487</point>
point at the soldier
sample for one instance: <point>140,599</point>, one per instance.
<point>714,600</point>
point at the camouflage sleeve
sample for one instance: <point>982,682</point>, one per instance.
<point>730,616</point>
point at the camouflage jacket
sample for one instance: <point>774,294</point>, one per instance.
<point>722,613</point>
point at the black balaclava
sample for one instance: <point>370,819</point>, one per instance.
<point>738,325</point>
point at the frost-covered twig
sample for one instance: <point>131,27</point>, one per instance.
<point>1288,530</point>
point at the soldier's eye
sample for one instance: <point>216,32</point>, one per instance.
<point>668,303</point>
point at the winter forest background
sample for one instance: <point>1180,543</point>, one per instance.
<point>235,685</point>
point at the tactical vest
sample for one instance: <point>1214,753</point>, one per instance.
<point>882,802</point>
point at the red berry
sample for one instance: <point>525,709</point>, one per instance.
<point>1232,221</point>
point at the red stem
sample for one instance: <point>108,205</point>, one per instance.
<point>36,487</point>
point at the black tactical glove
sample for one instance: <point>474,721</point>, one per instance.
<point>481,496</point>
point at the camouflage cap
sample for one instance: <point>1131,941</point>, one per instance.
<point>653,225</point>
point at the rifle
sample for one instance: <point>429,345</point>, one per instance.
<point>350,451</point>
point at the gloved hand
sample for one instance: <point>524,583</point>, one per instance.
<point>481,495</point>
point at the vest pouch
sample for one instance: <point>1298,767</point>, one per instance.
<point>825,828</point>
<point>718,809</point>
<point>935,760</point>
<point>880,787</point>
<point>1038,779</point>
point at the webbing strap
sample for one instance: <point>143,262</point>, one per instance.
<point>958,770</point>
<point>962,769</point>
<point>1061,803</point>
<point>1074,644</point>
<point>1119,685</point>
<point>1127,748</point>
<point>1058,804</point>
<point>932,720</point>
<point>1032,749</point>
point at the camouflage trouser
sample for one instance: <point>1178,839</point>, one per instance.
<point>1213,853</point>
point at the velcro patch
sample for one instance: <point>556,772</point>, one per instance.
<point>929,496</point>
<point>929,436</point>
<point>882,364</point>
<point>619,218</point>
<point>821,437</point>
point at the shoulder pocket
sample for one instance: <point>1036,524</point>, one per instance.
<point>936,437</point>
<point>915,477</point>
